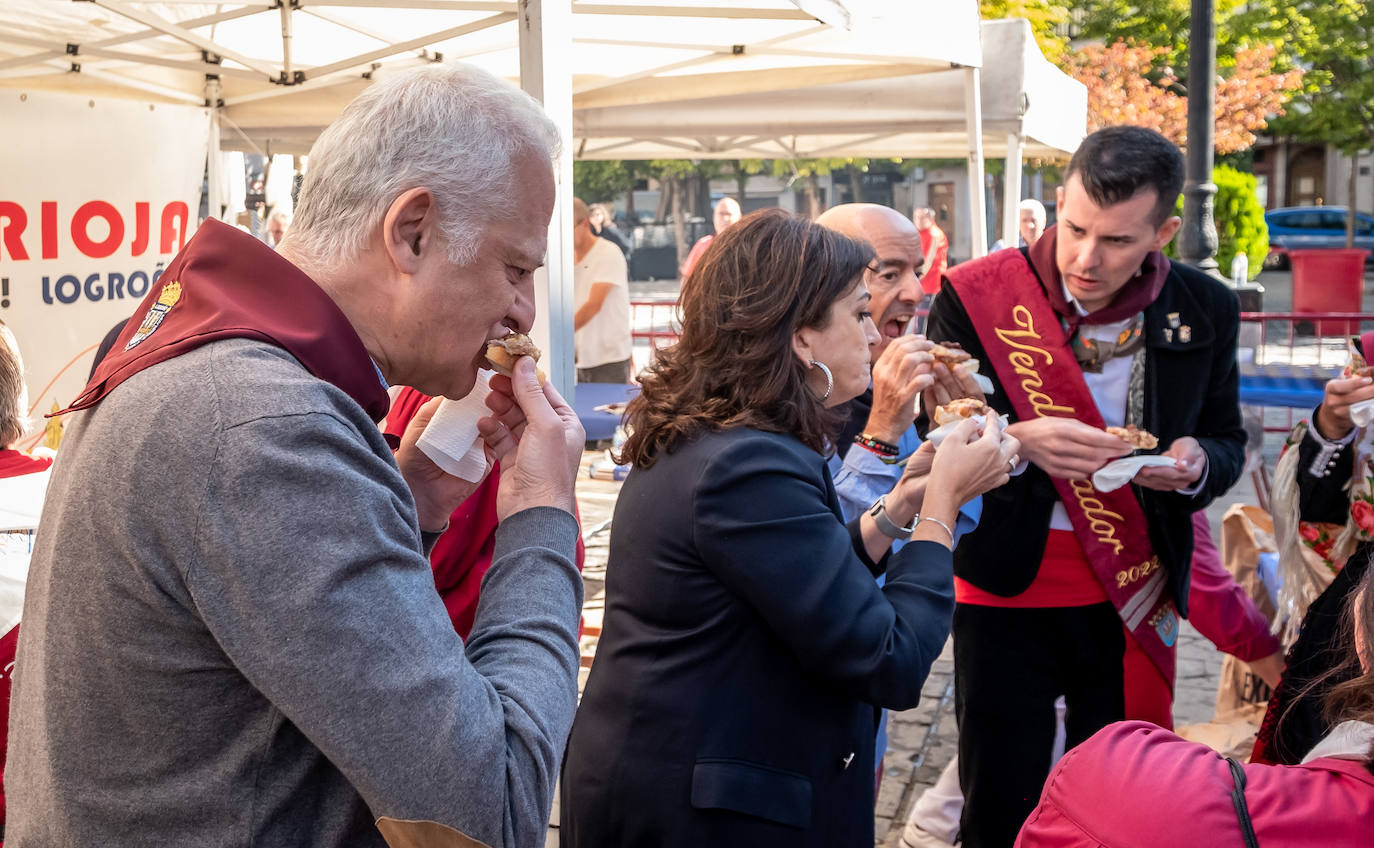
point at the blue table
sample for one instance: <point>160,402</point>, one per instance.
<point>600,426</point>
<point>1294,386</point>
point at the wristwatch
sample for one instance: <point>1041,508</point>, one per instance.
<point>887,526</point>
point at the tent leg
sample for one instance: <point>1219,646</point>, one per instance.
<point>212,154</point>
<point>973,109</point>
<point>545,60</point>
<point>1011,190</point>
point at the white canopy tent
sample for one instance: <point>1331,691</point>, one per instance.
<point>1030,109</point>
<point>276,72</point>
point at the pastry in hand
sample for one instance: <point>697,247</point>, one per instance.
<point>1357,367</point>
<point>502,353</point>
<point>950,354</point>
<point>959,409</point>
<point>1135,437</point>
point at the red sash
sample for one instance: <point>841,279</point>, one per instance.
<point>1030,353</point>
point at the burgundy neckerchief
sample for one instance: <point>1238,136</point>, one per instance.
<point>1130,301</point>
<point>226,284</point>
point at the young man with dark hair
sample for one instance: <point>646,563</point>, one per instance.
<point>1090,327</point>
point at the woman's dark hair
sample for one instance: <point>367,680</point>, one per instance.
<point>759,282</point>
<point>1352,699</point>
<point>1116,162</point>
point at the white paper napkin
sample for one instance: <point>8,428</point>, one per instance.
<point>936,436</point>
<point>1362,413</point>
<point>451,438</point>
<point>985,384</point>
<point>1119,472</point>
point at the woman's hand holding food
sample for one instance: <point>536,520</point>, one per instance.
<point>968,464</point>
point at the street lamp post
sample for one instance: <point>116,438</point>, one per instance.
<point>1197,239</point>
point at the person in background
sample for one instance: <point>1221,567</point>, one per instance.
<point>745,643</point>
<point>277,223</point>
<point>1135,785</point>
<point>602,339</point>
<point>1030,225</point>
<point>602,218</point>
<point>726,213</point>
<point>934,247</point>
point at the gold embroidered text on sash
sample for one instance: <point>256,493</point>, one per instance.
<point>1023,362</point>
<point>1099,517</point>
<point>1022,359</point>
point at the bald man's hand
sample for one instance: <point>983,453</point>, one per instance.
<point>899,376</point>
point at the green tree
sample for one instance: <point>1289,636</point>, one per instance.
<point>598,182</point>
<point>672,175</point>
<point>1337,106</point>
<point>811,170</point>
<point>743,169</point>
<point>1239,218</point>
<point>1165,24</point>
<point>1047,18</point>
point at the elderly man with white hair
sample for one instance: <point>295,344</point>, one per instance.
<point>1030,225</point>
<point>231,633</point>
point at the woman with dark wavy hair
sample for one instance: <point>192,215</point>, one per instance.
<point>746,647</point>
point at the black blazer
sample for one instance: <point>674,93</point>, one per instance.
<point>1191,389</point>
<point>744,649</point>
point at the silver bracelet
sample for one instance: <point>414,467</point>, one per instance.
<point>943,526</point>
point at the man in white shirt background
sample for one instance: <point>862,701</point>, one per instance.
<point>601,288</point>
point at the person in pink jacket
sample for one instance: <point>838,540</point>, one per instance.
<point>1135,784</point>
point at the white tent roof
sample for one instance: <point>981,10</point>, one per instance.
<point>920,114</point>
<point>287,70</point>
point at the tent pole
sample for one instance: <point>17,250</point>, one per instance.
<point>545,72</point>
<point>287,75</point>
<point>212,154</point>
<point>973,111</point>
<point>1011,190</point>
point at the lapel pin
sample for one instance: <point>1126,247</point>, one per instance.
<point>1173,320</point>
<point>1168,334</point>
<point>1185,333</point>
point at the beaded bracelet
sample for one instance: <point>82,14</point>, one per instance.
<point>878,446</point>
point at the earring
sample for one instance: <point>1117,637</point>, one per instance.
<point>829,378</point>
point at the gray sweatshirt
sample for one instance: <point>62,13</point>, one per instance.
<point>231,635</point>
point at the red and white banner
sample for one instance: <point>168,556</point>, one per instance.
<point>96,195</point>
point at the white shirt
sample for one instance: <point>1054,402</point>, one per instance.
<point>1110,390</point>
<point>606,337</point>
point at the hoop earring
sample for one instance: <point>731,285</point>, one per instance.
<point>829,378</point>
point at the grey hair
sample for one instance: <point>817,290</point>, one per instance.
<point>452,128</point>
<point>1036,207</point>
<point>13,392</point>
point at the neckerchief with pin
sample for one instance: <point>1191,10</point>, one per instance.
<point>226,284</point>
<point>1130,302</point>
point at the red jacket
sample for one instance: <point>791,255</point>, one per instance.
<point>935,248</point>
<point>1134,785</point>
<point>462,555</point>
